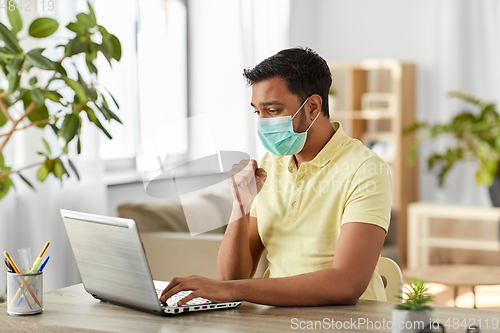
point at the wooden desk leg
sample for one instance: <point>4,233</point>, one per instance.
<point>474,295</point>
<point>455,294</point>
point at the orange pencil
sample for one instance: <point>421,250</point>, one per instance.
<point>43,250</point>
<point>22,279</point>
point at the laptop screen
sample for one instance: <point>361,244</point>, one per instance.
<point>111,259</point>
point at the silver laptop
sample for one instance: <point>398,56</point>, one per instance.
<point>114,269</point>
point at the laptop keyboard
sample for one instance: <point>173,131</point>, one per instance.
<point>172,301</point>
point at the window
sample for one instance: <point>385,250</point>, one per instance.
<point>150,81</point>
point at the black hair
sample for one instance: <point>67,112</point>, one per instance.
<point>305,73</point>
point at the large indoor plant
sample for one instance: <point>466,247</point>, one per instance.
<point>476,138</point>
<point>41,92</point>
<point>413,314</point>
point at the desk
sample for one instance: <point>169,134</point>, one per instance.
<point>73,308</point>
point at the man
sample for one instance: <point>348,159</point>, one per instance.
<point>323,204</point>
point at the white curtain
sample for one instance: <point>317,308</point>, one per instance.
<point>31,218</point>
<point>227,36</point>
<point>467,48</point>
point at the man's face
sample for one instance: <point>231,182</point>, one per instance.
<point>271,98</point>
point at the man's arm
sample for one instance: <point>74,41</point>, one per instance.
<point>240,250</point>
<point>356,255</point>
<point>241,247</point>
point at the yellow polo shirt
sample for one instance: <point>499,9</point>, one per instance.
<point>300,212</point>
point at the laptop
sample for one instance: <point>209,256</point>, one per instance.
<point>113,266</point>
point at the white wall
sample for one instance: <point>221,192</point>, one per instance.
<point>451,41</point>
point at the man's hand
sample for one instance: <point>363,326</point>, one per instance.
<point>214,290</point>
<point>246,180</point>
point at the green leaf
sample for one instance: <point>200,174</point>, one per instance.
<point>5,184</point>
<point>14,18</point>
<point>9,39</point>
<point>14,81</point>
<point>92,15</point>
<point>77,28</point>
<point>14,65</point>
<point>2,161</point>
<point>78,145</point>
<point>86,20</point>
<point>38,50</point>
<point>33,81</point>
<point>43,27</point>
<point>3,119</point>
<point>77,45</point>
<point>73,167</point>
<point>37,96</point>
<point>103,31</point>
<point>117,47</point>
<point>77,88</point>
<point>91,67</point>
<point>40,61</point>
<point>93,118</point>
<point>60,69</point>
<point>108,114</point>
<point>43,172</point>
<point>105,51</point>
<point>69,128</point>
<point>114,100</point>
<point>26,181</point>
<point>39,113</point>
<point>47,146</point>
<point>59,170</point>
<point>92,93</point>
<point>54,129</point>
<point>54,96</point>
<point>4,56</point>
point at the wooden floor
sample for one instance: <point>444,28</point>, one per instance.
<point>487,297</point>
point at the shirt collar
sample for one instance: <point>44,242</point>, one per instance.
<point>326,153</point>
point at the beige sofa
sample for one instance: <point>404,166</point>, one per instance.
<point>172,254</point>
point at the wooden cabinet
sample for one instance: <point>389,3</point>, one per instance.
<point>374,101</point>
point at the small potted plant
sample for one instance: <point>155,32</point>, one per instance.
<point>414,313</point>
<point>477,138</point>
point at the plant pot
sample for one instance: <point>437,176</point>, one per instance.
<point>406,321</point>
<point>494,190</point>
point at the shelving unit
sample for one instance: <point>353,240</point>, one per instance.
<point>374,101</point>
<point>422,214</point>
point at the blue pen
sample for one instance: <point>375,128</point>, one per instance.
<point>42,266</point>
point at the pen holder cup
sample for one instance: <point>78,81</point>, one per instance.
<point>24,293</point>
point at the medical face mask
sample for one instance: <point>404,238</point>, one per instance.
<point>278,137</point>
